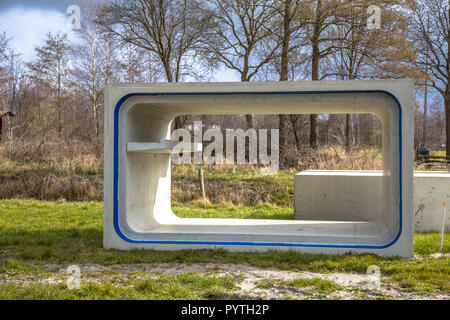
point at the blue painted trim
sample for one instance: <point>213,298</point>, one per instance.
<point>245,243</point>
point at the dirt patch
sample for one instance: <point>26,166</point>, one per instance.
<point>440,255</point>
<point>252,282</point>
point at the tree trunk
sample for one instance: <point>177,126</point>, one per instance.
<point>313,131</point>
<point>284,75</point>
<point>447,125</point>
<point>59,107</point>
<point>315,73</point>
<point>283,145</point>
<point>313,117</point>
<point>424,119</point>
<point>249,121</point>
<point>348,132</point>
<point>248,117</point>
<point>294,119</point>
<point>356,128</point>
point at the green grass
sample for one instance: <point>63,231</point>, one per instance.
<point>36,234</point>
<point>189,286</point>
<point>318,285</point>
<point>310,286</point>
<point>260,211</point>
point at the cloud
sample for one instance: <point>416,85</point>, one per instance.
<point>226,75</point>
<point>28,27</point>
<point>58,5</point>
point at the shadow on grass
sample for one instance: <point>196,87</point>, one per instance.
<point>278,216</point>
<point>85,246</point>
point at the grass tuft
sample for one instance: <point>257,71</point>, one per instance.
<point>319,285</point>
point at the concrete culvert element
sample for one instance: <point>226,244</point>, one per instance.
<point>137,206</point>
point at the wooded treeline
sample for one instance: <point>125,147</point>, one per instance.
<point>58,97</point>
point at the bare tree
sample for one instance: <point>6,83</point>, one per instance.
<point>239,37</point>
<point>171,29</point>
<point>289,32</point>
<point>14,95</point>
<point>133,63</point>
<point>15,72</point>
<point>96,62</point>
<point>434,53</point>
<point>288,14</point>
<point>320,16</point>
<point>353,45</point>
<point>92,61</point>
<point>3,46</point>
<point>51,68</point>
<point>357,52</point>
<point>3,69</point>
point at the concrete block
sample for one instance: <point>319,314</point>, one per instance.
<point>358,196</point>
<point>137,206</point>
<point>431,189</point>
<point>338,195</point>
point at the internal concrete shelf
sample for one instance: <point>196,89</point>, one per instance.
<point>164,146</point>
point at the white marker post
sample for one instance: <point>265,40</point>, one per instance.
<point>443,225</point>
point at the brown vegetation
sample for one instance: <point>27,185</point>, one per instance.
<point>51,171</point>
<point>75,173</point>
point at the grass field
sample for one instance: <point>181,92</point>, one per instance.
<point>40,239</point>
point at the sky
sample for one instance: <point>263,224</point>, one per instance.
<point>27,22</point>
<point>28,26</point>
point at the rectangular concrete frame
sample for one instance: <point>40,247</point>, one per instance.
<point>137,206</point>
<point>357,196</point>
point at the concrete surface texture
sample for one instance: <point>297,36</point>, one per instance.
<point>358,196</point>
<point>137,210</point>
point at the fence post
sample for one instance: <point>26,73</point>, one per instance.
<point>202,183</point>
<point>444,211</point>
